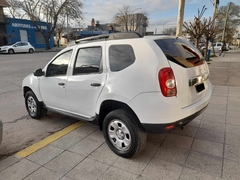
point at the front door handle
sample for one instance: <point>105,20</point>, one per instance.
<point>61,84</point>
<point>95,84</point>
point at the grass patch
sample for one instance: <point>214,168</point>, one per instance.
<point>213,55</point>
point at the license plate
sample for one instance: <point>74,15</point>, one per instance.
<point>200,87</point>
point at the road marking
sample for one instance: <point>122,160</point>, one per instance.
<point>35,147</point>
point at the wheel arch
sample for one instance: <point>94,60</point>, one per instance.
<point>110,105</point>
<point>25,90</point>
<point>11,49</point>
<point>31,50</point>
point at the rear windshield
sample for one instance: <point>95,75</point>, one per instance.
<point>181,52</point>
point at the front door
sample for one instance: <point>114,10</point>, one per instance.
<point>87,80</point>
<point>53,84</point>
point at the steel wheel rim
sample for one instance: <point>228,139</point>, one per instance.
<point>32,106</point>
<point>119,135</point>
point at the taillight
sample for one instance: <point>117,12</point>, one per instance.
<point>167,82</point>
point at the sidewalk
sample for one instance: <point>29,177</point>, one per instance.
<point>54,49</point>
<point>207,148</point>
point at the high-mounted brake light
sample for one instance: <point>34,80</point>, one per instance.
<point>167,82</point>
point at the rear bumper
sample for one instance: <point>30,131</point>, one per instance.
<point>161,128</point>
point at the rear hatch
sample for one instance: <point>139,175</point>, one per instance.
<point>190,70</point>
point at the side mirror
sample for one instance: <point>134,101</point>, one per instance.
<point>38,72</point>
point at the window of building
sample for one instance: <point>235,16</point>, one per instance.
<point>88,60</point>
<point>120,57</point>
<point>58,67</point>
<point>39,38</point>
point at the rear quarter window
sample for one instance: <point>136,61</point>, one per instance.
<point>120,57</point>
<point>181,52</point>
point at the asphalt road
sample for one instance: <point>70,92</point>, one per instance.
<point>19,130</point>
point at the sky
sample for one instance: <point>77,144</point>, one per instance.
<point>161,13</point>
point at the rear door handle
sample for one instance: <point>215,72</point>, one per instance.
<point>95,84</point>
<point>61,84</point>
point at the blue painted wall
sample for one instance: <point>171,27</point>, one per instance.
<point>34,36</point>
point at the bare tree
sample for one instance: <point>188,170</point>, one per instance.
<point>233,21</point>
<point>209,33</point>
<point>196,29</point>
<point>15,10</point>
<point>129,20</point>
<point>49,11</point>
<point>60,28</point>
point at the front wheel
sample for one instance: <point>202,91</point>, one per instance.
<point>34,107</point>
<point>123,134</point>
<point>10,51</point>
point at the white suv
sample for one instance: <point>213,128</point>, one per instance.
<point>129,85</point>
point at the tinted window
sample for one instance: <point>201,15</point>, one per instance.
<point>24,44</point>
<point>59,66</point>
<point>88,60</point>
<point>181,52</point>
<point>120,57</point>
<point>17,44</point>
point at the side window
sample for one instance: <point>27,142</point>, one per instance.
<point>58,67</point>
<point>18,44</point>
<point>88,60</point>
<point>120,57</point>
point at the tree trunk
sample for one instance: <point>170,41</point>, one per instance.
<point>206,52</point>
<point>46,38</point>
<point>196,42</point>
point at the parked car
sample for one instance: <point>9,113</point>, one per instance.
<point>129,85</point>
<point>217,46</point>
<point>17,48</point>
<point>1,131</point>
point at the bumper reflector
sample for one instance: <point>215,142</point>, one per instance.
<point>169,127</point>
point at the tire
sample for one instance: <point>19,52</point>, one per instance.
<point>123,133</point>
<point>10,51</point>
<point>30,50</point>
<point>34,107</point>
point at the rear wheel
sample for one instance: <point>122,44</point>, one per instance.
<point>10,51</point>
<point>34,107</point>
<point>30,50</point>
<point>123,134</point>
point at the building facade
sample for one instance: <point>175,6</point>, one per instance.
<point>24,30</point>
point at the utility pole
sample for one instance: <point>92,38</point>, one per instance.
<point>180,17</point>
<point>225,24</point>
<point>216,3</point>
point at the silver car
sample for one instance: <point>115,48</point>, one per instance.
<point>17,48</point>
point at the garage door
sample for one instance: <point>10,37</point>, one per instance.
<point>23,35</point>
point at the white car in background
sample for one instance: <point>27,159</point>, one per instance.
<point>217,46</point>
<point>17,48</point>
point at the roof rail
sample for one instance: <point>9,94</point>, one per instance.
<point>105,37</point>
<point>164,34</point>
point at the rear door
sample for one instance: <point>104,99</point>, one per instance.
<point>87,79</point>
<point>190,70</point>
